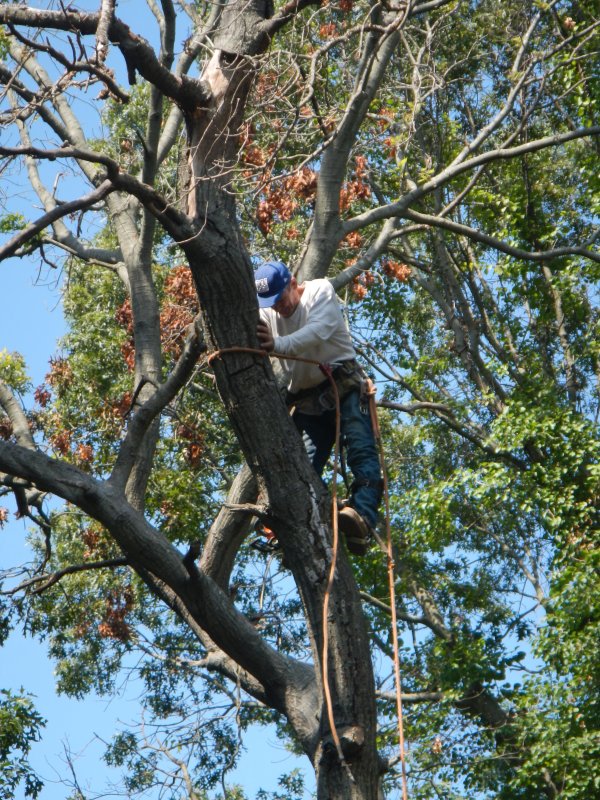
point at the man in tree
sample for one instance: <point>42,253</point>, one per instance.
<point>305,321</point>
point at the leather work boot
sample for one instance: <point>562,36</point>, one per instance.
<point>355,529</point>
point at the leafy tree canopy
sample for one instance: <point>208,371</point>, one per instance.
<point>437,161</point>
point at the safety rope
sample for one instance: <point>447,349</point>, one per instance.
<point>326,369</point>
<point>391,567</point>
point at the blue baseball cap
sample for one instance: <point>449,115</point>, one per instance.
<point>271,279</point>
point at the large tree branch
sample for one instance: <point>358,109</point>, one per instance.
<point>294,679</point>
<point>154,121</point>
<point>174,221</point>
<point>229,529</point>
<point>166,23</point>
<point>106,15</point>
<point>498,244</point>
<point>326,231</point>
<point>139,55</point>
<point>191,591</point>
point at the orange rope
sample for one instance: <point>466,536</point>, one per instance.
<point>390,557</point>
<point>390,564</point>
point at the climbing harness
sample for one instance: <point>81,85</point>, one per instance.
<point>340,379</point>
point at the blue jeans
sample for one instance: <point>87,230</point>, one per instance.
<point>318,432</point>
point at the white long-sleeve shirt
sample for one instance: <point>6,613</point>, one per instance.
<point>316,330</point>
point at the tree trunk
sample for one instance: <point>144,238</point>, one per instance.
<point>289,491</point>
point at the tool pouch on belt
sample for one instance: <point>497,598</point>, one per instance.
<point>347,376</point>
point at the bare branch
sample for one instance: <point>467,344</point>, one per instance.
<point>139,55</point>
<point>28,233</point>
<point>43,582</point>
<point>34,101</point>
<point>98,70</point>
<point>106,14</point>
